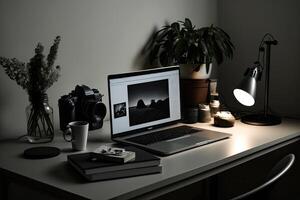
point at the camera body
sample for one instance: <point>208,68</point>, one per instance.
<point>82,104</point>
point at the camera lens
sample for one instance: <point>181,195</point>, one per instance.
<point>100,110</point>
<point>94,110</point>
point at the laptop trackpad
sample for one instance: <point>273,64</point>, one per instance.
<point>175,145</point>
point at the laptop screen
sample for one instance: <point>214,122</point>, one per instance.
<point>143,100</point>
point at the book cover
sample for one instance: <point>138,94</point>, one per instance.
<point>85,162</point>
<point>119,173</point>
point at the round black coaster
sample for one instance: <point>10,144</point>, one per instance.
<point>41,152</point>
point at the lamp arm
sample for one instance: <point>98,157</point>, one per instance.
<point>267,79</point>
<point>267,38</point>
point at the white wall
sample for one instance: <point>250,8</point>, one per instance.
<point>247,21</point>
<point>99,37</point>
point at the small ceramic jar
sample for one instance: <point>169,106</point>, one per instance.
<point>204,113</point>
<point>214,107</point>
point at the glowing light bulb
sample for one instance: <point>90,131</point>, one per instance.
<point>244,97</point>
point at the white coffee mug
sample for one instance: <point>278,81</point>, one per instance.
<point>77,133</point>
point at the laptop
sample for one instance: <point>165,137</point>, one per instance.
<point>145,111</point>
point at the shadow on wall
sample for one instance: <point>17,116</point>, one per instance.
<point>11,94</point>
<point>141,60</point>
<point>3,102</point>
<point>246,23</point>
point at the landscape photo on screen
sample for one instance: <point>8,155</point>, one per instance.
<point>148,102</point>
<point>120,110</point>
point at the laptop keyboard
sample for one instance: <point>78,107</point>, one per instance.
<point>163,135</point>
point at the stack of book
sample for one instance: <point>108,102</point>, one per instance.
<point>94,169</point>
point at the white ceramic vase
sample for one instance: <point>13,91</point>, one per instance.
<point>187,71</point>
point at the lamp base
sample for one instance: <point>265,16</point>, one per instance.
<point>261,120</point>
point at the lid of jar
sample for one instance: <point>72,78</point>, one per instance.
<point>215,103</point>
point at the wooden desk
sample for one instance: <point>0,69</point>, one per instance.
<point>54,177</point>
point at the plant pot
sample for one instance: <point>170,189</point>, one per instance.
<point>194,92</point>
<point>189,71</point>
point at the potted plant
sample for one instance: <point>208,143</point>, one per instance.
<point>36,77</point>
<point>181,43</point>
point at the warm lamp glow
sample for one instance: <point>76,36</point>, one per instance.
<point>240,143</point>
<point>244,97</point>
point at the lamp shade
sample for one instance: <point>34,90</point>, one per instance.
<point>245,92</point>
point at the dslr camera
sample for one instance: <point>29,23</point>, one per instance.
<point>82,104</point>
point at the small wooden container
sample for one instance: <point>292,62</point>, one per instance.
<point>204,113</point>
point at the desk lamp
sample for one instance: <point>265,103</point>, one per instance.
<point>246,91</point>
